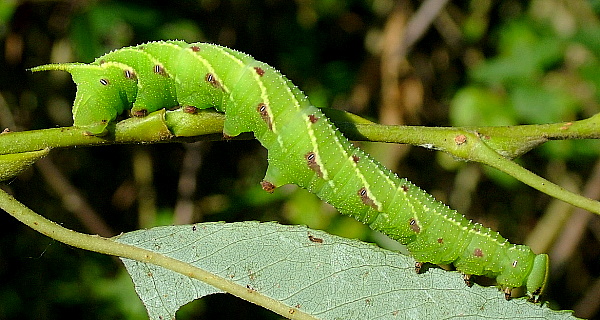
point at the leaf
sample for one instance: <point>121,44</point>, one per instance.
<point>322,275</point>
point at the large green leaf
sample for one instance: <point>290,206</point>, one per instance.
<point>322,275</point>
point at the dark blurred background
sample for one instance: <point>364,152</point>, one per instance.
<point>432,63</point>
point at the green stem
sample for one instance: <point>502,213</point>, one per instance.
<point>111,247</point>
<point>477,150</point>
<point>494,146</point>
<point>158,127</point>
<point>509,141</point>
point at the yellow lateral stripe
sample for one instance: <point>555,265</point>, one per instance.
<point>211,70</point>
<point>314,143</point>
<point>311,134</point>
<point>365,183</point>
<point>177,80</point>
<point>235,60</point>
<point>354,165</point>
<point>263,92</point>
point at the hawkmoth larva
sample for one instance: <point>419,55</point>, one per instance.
<point>304,149</point>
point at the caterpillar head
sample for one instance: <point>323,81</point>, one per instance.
<point>523,268</point>
<point>103,92</point>
<point>537,279</point>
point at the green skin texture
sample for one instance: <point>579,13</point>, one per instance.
<point>304,149</point>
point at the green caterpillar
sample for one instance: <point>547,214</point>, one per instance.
<point>304,149</point>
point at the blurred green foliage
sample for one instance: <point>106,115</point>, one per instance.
<point>481,63</point>
<point>539,75</point>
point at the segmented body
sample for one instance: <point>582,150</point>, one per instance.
<point>304,149</point>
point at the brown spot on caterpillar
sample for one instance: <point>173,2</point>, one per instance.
<point>478,252</point>
<point>130,74</point>
<point>414,226</point>
<point>264,114</point>
<point>267,186</point>
<point>460,139</point>
<point>404,188</point>
<point>190,109</point>
<point>139,113</point>
<point>364,197</point>
<point>440,240</point>
<point>311,159</point>
<point>195,48</point>
<point>355,158</point>
<point>101,62</point>
<point>259,71</point>
<point>418,266</point>
<point>312,118</point>
<point>158,69</point>
<point>104,82</point>
<point>227,137</point>
<point>210,78</point>
<point>315,239</point>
